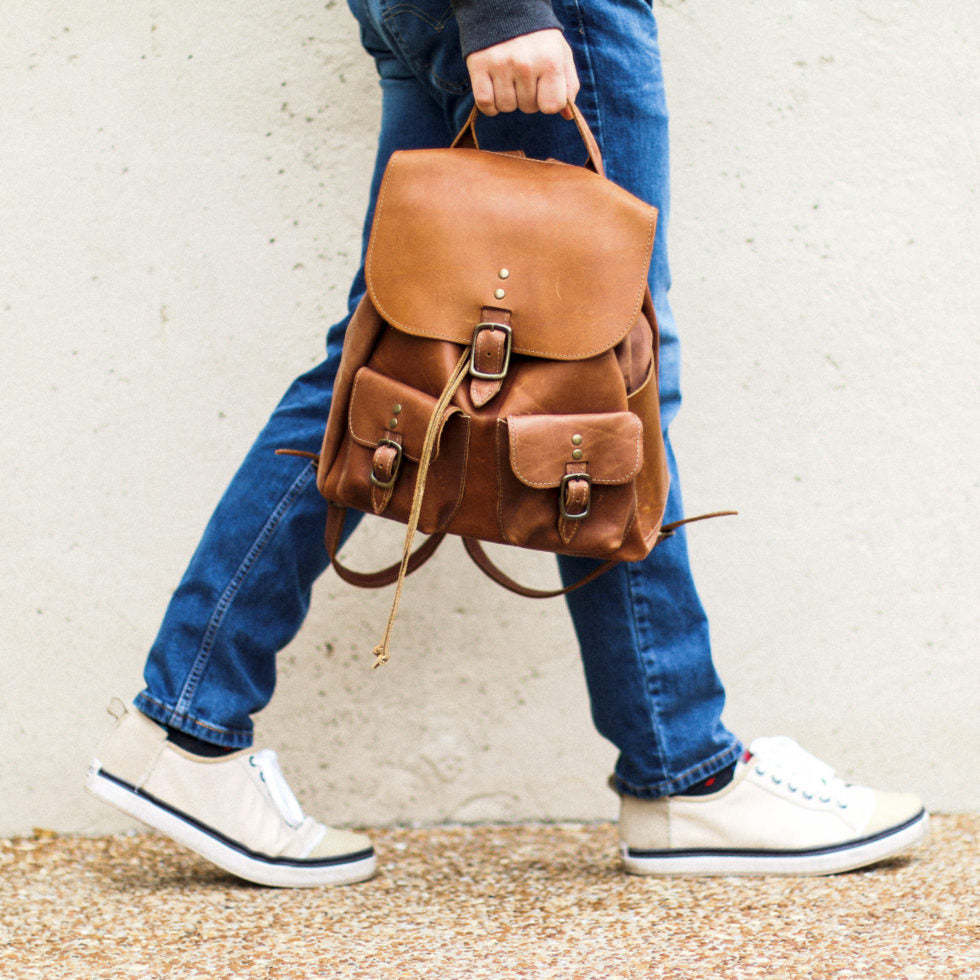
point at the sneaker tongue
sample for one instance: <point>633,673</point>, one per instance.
<point>282,796</point>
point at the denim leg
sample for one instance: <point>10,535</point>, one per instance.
<point>644,638</point>
<point>642,630</point>
<point>645,647</point>
<point>247,588</point>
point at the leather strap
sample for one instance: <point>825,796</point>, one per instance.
<point>301,453</point>
<point>383,577</point>
<point>667,530</point>
<point>391,574</point>
<point>482,561</point>
<point>490,348</point>
<point>576,491</point>
<point>384,471</point>
<point>467,138</point>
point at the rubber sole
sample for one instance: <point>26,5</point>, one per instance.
<point>834,859</point>
<point>221,851</point>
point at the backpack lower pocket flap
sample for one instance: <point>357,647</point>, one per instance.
<point>608,446</point>
<point>381,407</point>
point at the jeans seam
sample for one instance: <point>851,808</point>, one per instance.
<point>232,588</point>
<point>417,65</point>
<point>596,121</point>
<point>656,727</point>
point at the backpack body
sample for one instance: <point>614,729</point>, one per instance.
<point>499,378</point>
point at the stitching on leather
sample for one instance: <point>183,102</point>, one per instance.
<point>465,419</point>
<point>617,480</point>
<point>501,434</point>
<point>368,442</point>
<point>420,332</point>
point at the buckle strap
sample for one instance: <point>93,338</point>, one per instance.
<point>490,354</point>
<point>575,496</point>
<point>574,501</point>
<point>386,463</point>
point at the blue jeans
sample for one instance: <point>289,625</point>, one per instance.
<point>643,633</point>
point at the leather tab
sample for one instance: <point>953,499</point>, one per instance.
<point>576,493</point>
<point>574,502</point>
<point>490,354</point>
<point>667,530</point>
<point>384,471</point>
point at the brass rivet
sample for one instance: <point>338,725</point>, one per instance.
<point>577,454</point>
<point>576,440</point>
<point>393,424</point>
<point>499,294</point>
<point>397,409</point>
<point>504,273</point>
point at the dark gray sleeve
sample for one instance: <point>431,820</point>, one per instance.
<point>486,22</point>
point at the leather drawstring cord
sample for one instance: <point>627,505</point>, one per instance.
<point>425,460</point>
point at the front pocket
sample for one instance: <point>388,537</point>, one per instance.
<point>387,413</point>
<point>567,482</point>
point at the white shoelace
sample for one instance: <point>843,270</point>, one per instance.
<point>786,763</point>
<point>281,795</point>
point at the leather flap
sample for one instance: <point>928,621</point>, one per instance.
<point>381,408</point>
<point>569,249</point>
<point>543,446</point>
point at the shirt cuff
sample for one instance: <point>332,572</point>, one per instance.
<point>483,23</point>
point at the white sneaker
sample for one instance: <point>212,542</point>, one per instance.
<point>784,812</point>
<point>235,810</point>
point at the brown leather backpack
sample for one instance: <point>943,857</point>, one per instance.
<point>499,379</point>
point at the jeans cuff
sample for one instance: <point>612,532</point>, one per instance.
<point>205,731</point>
<point>676,785</point>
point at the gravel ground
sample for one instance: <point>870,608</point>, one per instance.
<point>526,901</point>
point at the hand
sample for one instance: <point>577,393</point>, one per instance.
<point>533,72</point>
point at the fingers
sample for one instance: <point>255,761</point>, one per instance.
<point>534,73</point>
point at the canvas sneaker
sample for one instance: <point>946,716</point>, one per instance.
<point>236,810</point>
<point>784,812</point>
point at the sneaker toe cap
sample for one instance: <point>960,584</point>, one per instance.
<point>338,843</point>
<point>892,810</point>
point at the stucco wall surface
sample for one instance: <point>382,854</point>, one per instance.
<point>182,187</point>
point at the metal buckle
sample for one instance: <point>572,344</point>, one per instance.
<point>484,375</point>
<point>565,480</point>
<point>388,484</point>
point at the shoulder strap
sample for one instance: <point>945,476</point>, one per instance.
<point>383,577</point>
<point>482,561</point>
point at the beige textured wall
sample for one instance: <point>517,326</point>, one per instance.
<point>181,190</point>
